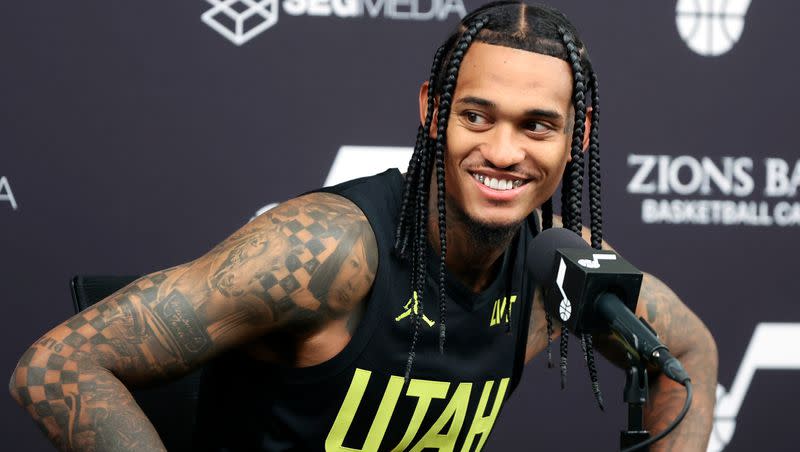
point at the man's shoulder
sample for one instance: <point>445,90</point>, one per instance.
<point>320,258</point>
<point>315,217</point>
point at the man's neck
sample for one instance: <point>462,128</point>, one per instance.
<point>473,261</point>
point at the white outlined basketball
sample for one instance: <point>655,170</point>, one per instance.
<point>565,310</point>
<point>711,27</point>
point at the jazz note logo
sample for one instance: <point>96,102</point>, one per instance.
<point>595,261</point>
<point>773,346</point>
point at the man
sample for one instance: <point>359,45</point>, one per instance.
<point>333,348</point>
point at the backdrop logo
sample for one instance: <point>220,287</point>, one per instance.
<point>711,27</point>
<point>686,189</point>
<point>770,348</point>
<point>242,20</point>
<point>352,162</point>
<point>6,195</point>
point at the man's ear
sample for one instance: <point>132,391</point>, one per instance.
<point>423,108</point>
<point>587,130</point>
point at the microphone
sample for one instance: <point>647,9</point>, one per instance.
<point>596,291</point>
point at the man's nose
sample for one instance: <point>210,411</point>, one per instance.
<point>503,148</point>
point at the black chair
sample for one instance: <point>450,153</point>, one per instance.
<point>172,407</point>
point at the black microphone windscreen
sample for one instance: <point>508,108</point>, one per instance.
<point>542,251</point>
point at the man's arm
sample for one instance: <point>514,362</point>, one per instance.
<point>689,340</point>
<point>275,275</point>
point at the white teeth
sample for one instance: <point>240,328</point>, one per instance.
<point>498,184</point>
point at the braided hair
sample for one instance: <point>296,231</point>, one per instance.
<point>538,29</point>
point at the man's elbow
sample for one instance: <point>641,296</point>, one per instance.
<point>710,346</point>
<point>701,357</point>
<point>709,350</point>
<point>18,380</point>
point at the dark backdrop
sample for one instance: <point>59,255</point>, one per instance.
<point>134,136</point>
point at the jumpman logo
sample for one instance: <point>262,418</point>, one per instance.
<point>412,306</point>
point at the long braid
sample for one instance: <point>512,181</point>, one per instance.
<point>418,261</point>
<point>407,217</point>
<point>445,99</point>
<point>412,220</point>
<point>420,258</point>
<point>566,215</point>
<point>566,188</point>
<point>401,235</point>
<point>575,167</point>
<point>596,214</point>
<point>590,364</point>
<point>547,223</point>
<point>576,192</point>
<point>595,208</point>
<point>578,102</point>
<point>565,221</point>
<point>547,214</point>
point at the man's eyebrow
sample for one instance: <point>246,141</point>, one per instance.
<point>476,101</point>
<point>542,113</point>
<point>534,112</point>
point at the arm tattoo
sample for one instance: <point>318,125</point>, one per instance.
<point>291,271</point>
<point>651,311</point>
<point>689,341</point>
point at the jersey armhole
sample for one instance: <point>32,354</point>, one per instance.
<point>378,221</point>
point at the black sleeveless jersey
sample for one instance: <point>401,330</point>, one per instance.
<point>359,400</point>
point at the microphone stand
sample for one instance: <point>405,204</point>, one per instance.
<point>635,395</point>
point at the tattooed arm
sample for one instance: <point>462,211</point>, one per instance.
<point>689,340</point>
<point>301,269</point>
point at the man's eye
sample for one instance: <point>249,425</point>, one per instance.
<point>474,118</point>
<point>537,127</point>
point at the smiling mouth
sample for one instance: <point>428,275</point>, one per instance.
<point>499,184</point>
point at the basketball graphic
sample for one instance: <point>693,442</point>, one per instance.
<point>711,27</point>
<point>564,310</point>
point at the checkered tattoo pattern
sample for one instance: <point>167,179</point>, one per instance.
<point>52,380</point>
<point>310,239</point>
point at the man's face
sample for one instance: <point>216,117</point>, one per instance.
<point>351,277</point>
<point>508,134</point>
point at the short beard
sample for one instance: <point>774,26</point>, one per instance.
<point>483,235</point>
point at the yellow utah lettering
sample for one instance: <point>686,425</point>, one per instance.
<point>499,310</point>
<point>335,439</point>
<point>425,391</point>
<point>455,410</point>
<point>482,425</point>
